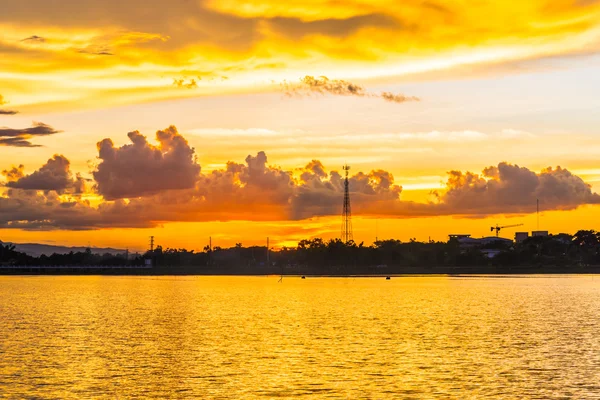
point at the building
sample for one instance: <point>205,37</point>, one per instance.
<point>494,240</point>
<point>539,233</point>
<point>459,236</point>
<point>466,241</point>
<point>521,236</point>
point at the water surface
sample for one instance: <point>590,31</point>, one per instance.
<point>252,337</point>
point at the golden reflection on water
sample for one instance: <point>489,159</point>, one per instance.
<point>248,337</point>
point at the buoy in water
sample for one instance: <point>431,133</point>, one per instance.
<point>387,278</point>
<point>303,277</point>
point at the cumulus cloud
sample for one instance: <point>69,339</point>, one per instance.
<point>36,210</point>
<point>141,169</point>
<point>508,188</point>
<point>15,173</point>
<point>164,183</point>
<point>322,85</point>
<point>319,193</point>
<point>54,175</point>
<point>20,137</point>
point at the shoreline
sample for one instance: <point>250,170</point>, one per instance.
<point>309,272</point>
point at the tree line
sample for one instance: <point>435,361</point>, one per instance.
<point>334,256</point>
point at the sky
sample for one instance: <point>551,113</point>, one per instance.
<point>232,119</point>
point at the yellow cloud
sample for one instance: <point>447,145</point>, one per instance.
<point>234,46</point>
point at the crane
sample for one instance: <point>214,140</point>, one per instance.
<point>497,228</point>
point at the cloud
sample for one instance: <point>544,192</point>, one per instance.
<point>36,210</point>
<point>397,98</point>
<point>20,137</point>
<point>253,190</point>
<point>157,40</point>
<point>508,188</point>
<point>181,83</point>
<point>54,175</point>
<point>6,112</point>
<point>297,29</point>
<point>164,183</point>
<point>34,38</point>
<point>320,193</point>
<point>96,50</point>
<point>15,173</point>
<point>141,169</point>
<point>249,191</point>
<point>322,85</point>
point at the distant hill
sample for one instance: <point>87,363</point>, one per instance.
<point>36,249</point>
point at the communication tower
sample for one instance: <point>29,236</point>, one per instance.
<point>346,213</point>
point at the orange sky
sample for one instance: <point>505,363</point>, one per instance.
<point>413,91</point>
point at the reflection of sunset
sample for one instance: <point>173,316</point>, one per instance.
<point>251,337</point>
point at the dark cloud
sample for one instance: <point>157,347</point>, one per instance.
<point>54,175</point>
<point>20,137</point>
<point>141,169</point>
<point>323,85</point>
<point>36,210</point>
<point>16,142</point>
<point>34,38</point>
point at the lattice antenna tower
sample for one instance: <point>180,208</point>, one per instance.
<point>151,243</point>
<point>346,213</point>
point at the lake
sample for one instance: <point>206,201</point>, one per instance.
<point>73,337</point>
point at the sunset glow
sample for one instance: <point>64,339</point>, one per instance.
<point>232,119</point>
